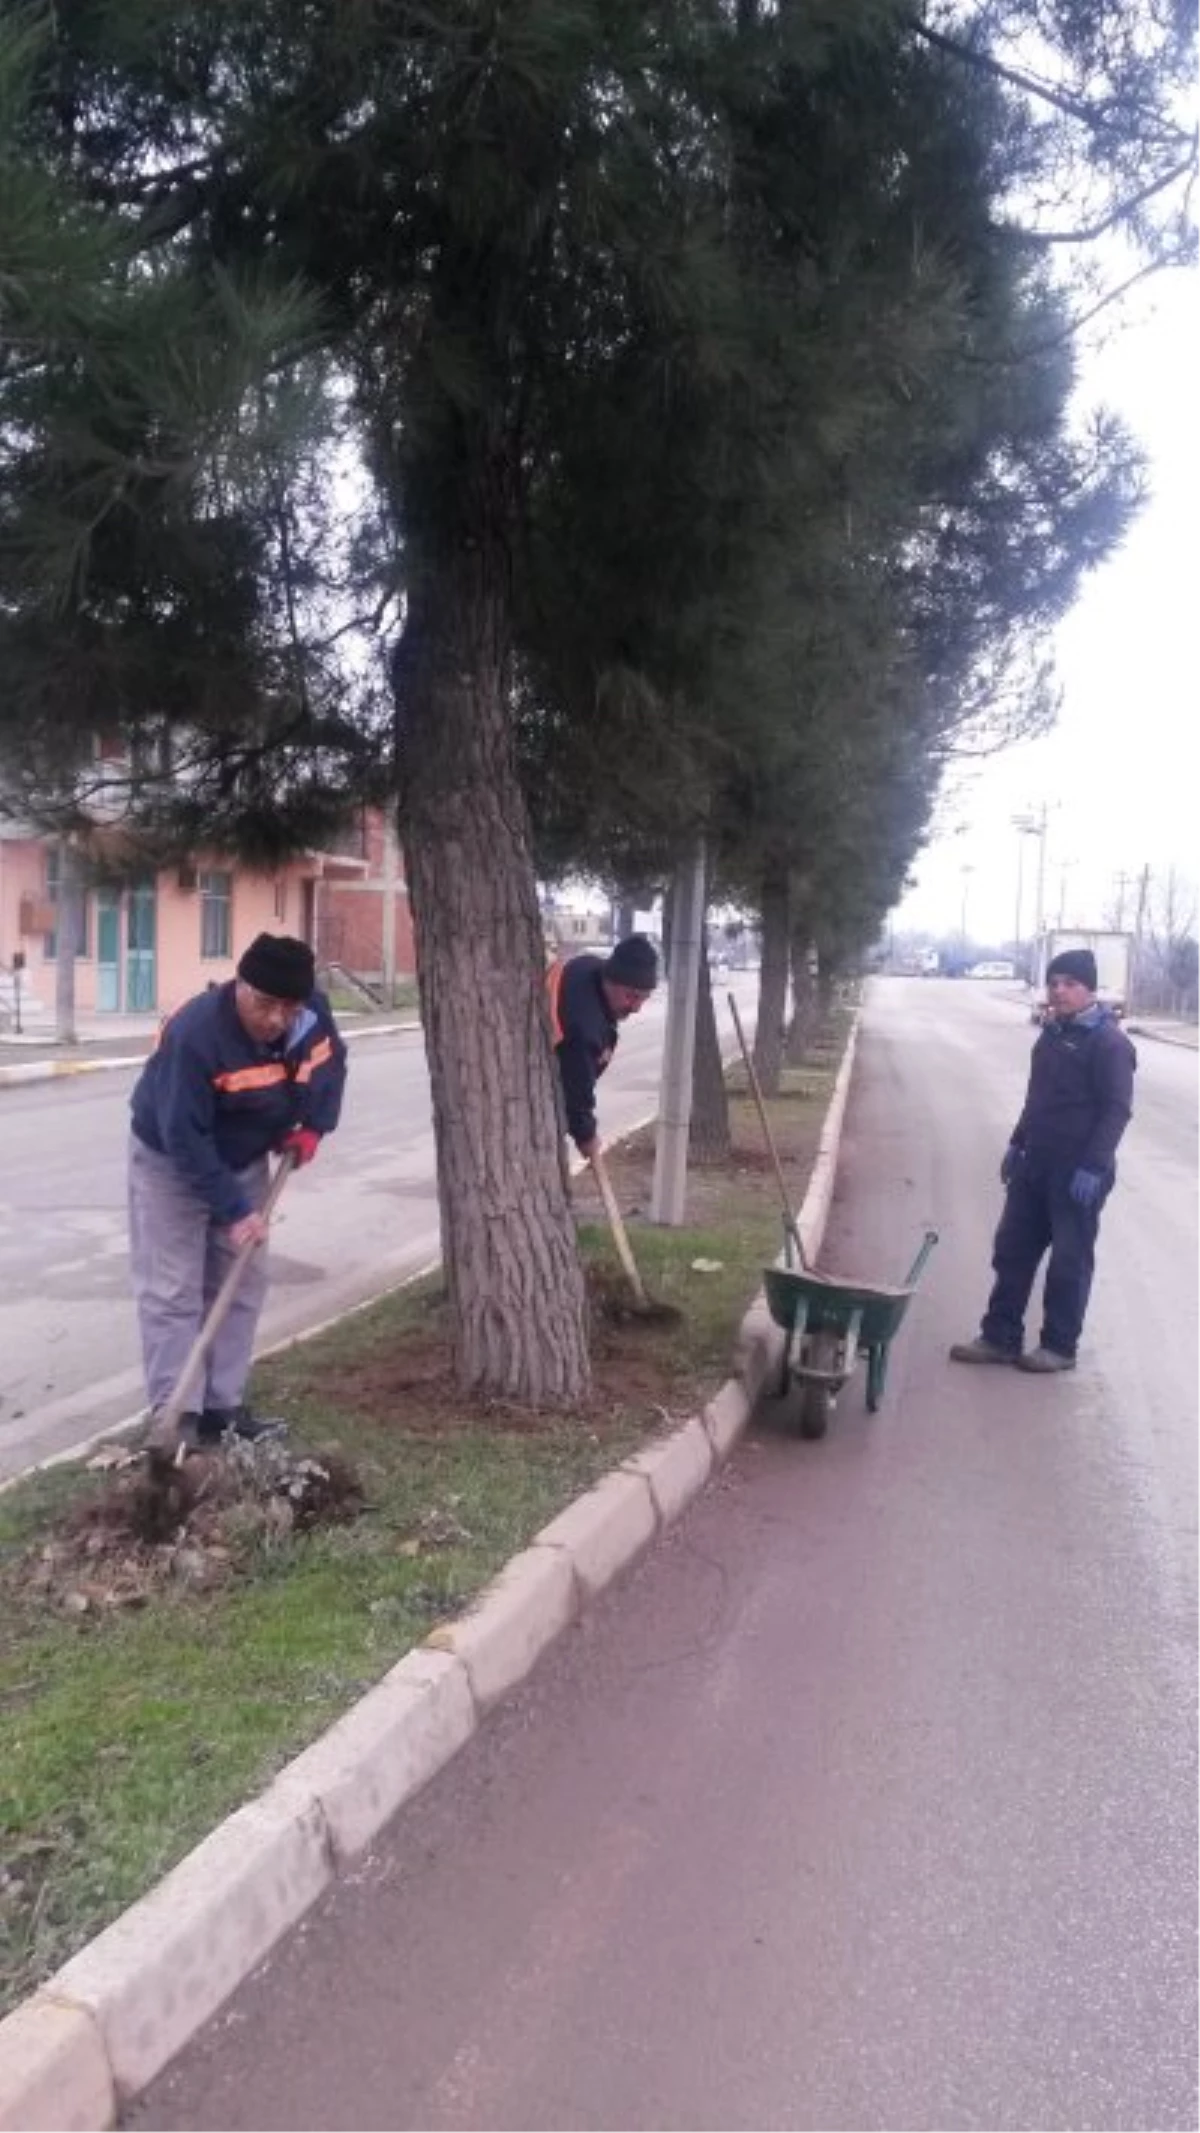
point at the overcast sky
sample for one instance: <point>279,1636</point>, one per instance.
<point>1117,775</point>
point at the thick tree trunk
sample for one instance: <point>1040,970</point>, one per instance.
<point>773,981</point>
<point>710,1137</point>
<point>513,1277</point>
<point>804,995</point>
<point>826,979</point>
<point>68,916</point>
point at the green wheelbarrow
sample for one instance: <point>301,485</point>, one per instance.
<point>827,1324</point>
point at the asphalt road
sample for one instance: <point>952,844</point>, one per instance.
<point>362,1218</point>
<point>867,1799</point>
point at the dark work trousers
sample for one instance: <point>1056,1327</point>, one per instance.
<point>1039,1216</point>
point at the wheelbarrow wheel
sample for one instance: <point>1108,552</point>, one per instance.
<point>815,1410</point>
<point>819,1394</point>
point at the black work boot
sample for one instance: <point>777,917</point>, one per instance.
<point>218,1422</point>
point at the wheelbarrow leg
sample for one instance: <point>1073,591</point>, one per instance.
<point>876,1376</point>
<point>793,1344</point>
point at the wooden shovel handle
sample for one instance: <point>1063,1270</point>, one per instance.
<point>791,1226</point>
<point>167,1421</point>
<point>617,1226</point>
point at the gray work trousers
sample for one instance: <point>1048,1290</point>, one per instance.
<point>179,1257</point>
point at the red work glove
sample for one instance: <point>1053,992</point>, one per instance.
<point>301,1144</point>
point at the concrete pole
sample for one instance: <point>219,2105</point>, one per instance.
<point>1041,873</point>
<point>391,875</point>
<point>668,1198</point>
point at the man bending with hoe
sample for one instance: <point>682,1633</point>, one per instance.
<point>247,1069</point>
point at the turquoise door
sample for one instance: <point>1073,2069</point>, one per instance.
<point>108,951</point>
<point>141,981</point>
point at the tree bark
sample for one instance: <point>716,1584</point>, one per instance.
<point>67,930</point>
<point>804,998</point>
<point>772,981</point>
<point>826,978</point>
<point>711,1141</point>
<point>513,1276</point>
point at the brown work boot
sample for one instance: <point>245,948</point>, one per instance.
<point>1041,1361</point>
<point>981,1351</point>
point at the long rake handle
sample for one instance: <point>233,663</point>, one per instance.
<point>790,1223</point>
<point>167,1421</point>
<point>617,1226</point>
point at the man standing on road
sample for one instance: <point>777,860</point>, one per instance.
<point>246,1069</point>
<point>589,997</point>
<point>1058,1171</point>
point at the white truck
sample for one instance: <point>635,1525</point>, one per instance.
<point>1114,959</point>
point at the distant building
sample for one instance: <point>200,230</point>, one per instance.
<point>147,943</point>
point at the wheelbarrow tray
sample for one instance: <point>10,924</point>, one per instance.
<point>833,1302</point>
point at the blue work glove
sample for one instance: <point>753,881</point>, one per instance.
<point>1085,1187</point>
<point>1013,1157</point>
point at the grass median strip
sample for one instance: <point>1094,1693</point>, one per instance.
<point>147,1690</point>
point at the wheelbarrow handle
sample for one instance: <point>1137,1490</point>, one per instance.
<point>913,1274</point>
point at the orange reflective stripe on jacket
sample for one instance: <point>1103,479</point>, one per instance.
<point>554,978</point>
<point>319,1056</point>
<point>254,1077</point>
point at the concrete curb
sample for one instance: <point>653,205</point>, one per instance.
<point>63,1069</point>
<point>106,2024</point>
<point>1160,1036</point>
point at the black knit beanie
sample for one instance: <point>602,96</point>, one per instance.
<point>282,968</point>
<point>633,962</point>
<point>1077,963</point>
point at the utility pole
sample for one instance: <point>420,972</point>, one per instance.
<point>1123,882</point>
<point>966,872</point>
<point>1020,894</point>
<point>1135,979</point>
<point>1041,872</point>
<point>668,1197</point>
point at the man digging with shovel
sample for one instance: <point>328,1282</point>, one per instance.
<point>590,996</point>
<point>247,1069</point>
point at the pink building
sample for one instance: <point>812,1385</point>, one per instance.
<point>146,946</point>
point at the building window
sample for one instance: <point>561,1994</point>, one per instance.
<point>216,895</point>
<point>50,940</point>
<point>281,898</point>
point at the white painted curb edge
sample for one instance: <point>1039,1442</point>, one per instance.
<point>27,1070</point>
<point>106,2024</point>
